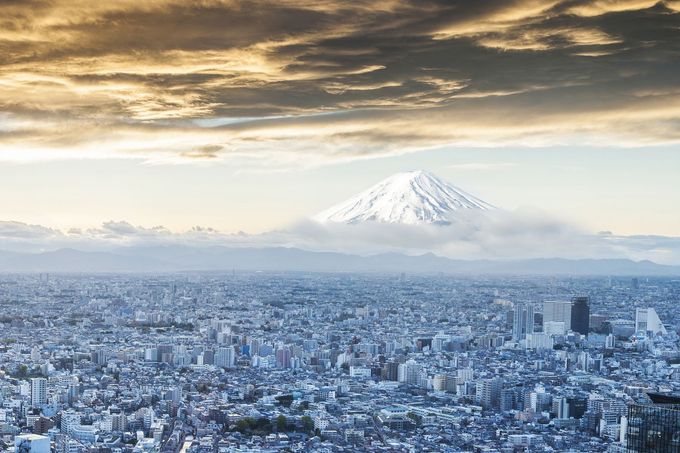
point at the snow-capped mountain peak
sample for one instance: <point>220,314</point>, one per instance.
<point>414,197</point>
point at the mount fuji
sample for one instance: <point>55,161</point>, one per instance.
<point>411,198</point>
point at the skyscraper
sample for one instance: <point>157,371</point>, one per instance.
<point>580,314</point>
<point>557,311</point>
<point>647,321</point>
<point>653,428</point>
<point>575,314</point>
<point>523,321</point>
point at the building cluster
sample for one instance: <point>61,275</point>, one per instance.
<point>273,362</point>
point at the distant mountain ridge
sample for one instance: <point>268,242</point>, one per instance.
<point>412,198</point>
<point>219,258</point>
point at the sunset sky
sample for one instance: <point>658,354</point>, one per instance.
<point>245,115</point>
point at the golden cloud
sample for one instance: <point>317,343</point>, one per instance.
<point>263,81</point>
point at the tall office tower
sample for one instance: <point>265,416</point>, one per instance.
<point>654,427</point>
<point>648,322</point>
<point>577,406</point>
<point>517,323</point>
<point>38,392</point>
<point>557,311</point>
<point>523,321</point>
<point>580,314</point>
<point>575,314</point>
<point>165,353</point>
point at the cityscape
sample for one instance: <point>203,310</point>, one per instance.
<point>340,226</point>
<point>249,361</point>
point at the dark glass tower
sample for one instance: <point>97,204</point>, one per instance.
<point>580,315</point>
<point>654,428</point>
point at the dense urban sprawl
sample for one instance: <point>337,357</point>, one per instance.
<point>245,362</point>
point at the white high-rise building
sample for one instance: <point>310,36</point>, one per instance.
<point>409,372</point>
<point>38,392</point>
<point>70,419</point>
<point>225,357</point>
<point>648,322</point>
<point>539,341</point>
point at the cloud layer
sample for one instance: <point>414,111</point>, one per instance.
<point>520,234</point>
<point>266,83</point>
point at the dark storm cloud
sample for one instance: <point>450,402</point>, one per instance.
<point>186,80</point>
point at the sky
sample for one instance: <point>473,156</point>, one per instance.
<point>245,116</point>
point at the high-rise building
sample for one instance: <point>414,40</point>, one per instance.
<point>488,393</point>
<point>580,314</point>
<point>522,321</point>
<point>539,341</point>
<point>648,322</point>
<point>38,392</point>
<point>439,382</point>
<point>283,357</point>
<point>508,400</point>
<point>70,419</point>
<point>575,314</point>
<point>654,427</point>
<point>390,371</point>
<point>409,372</point>
<point>225,357</point>
<point>577,406</point>
<point>557,311</point>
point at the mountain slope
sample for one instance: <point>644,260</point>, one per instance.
<point>183,258</point>
<point>415,197</point>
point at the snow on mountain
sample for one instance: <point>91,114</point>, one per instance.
<point>414,197</point>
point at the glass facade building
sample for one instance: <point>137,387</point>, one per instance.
<point>580,315</point>
<point>654,428</point>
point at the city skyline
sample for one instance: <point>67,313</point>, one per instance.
<point>330,226</point>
